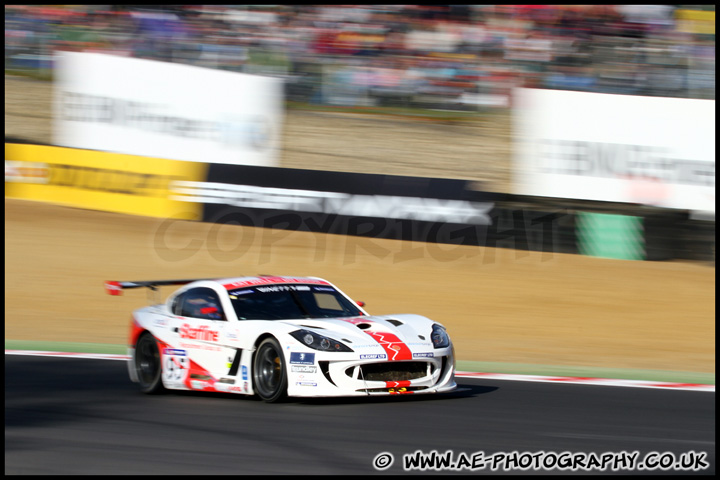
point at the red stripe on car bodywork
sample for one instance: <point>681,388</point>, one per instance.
<point>199,378</point>
<point>400,384</point>
<point>394,347</point>
<point>135,331</point>
<point>272,281</point>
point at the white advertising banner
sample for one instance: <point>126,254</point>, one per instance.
<point>615,148</point>
<point>166,110</point>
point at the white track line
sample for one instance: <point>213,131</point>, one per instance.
<point>41,353</point>
<point>699,387</point>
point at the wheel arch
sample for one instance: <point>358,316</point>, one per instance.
<point>261,338</point>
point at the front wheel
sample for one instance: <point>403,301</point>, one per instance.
<point>269,374</point>
<point>148,366</point>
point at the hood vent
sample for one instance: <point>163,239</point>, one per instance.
<point>397,323</point>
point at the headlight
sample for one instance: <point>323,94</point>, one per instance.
<point>439,337</point>
<point>318,342</point>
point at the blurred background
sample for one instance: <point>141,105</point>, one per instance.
<point>421,90</point>
<point>453,65</point>
<point>456,57</point>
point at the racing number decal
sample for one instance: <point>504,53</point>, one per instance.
<point>175,366</point>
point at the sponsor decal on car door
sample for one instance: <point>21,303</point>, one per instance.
<point>201,339</point>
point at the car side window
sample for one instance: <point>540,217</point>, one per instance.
<point>200,302</point>
<point>176,306</point>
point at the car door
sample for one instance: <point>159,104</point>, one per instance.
<point>200,324</point>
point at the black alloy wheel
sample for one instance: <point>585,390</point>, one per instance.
<point>148,364</point>
<point>269,374</point>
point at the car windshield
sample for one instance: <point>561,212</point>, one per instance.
<point>282,302</point>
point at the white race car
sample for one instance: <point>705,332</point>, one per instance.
<point>281,336</point>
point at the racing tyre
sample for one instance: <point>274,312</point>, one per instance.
<point>148,364</point>
<point>269,374</point>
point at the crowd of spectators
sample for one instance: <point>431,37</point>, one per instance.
<point>437,56</point>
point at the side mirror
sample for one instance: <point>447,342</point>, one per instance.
<point>360,304</point>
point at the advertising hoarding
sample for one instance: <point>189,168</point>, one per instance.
<point>166,110</point>
<point>615,148</point>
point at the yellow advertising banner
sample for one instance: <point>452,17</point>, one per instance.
<point>695,21</point>
<point>111,182</point>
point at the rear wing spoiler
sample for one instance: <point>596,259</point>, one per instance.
<point>115,288</point>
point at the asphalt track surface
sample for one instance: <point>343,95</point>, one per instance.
<point>81,416</point>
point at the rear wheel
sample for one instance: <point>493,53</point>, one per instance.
<point>269,373</point>
<point>148,365</point>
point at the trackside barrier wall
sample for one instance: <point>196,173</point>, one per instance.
<point>370,205</point>
<point>99,180</point>
<point>610,236</point>
<point>581,147</point>
<point>420,209</point>
<point>433,210</point>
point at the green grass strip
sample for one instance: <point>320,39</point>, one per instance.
<point>65,347</point>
